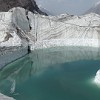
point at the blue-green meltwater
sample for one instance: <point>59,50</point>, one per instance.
<point>65,73</point>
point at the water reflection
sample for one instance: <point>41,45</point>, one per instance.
<point>47,57</point>
<point>38,61</point>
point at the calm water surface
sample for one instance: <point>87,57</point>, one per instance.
<point>55,74</point>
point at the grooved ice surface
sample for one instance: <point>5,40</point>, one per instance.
<point>49,31</point>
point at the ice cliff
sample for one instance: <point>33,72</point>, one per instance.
<point>21,27</point>
<point>66,30</point>
<point>40,60</point>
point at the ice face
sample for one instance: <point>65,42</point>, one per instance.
<point>97,77</point>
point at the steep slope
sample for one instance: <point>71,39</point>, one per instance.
<point>45,10</point>
<point>94,9</point>
<point>31,5</point>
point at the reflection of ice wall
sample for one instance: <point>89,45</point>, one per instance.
<point>48,57</point>
<point>7,56</point>
<point>41,59</point>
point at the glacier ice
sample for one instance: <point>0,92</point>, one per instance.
<point>41,31</point>
<point>66,30</point>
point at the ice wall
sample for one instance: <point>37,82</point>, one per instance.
<point>65,30</point>
<point>50,31</point>
<point>54,31</point>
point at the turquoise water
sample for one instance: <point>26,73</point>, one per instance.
<point>55,74</point>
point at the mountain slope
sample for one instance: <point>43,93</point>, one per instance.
<point>94,9</point>
<point>31,5</point>
<point>46,11</point>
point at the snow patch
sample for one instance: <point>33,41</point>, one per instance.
<point>3,97</point>
<point>97,77</point>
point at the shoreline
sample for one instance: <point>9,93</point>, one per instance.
<point>4,97</point>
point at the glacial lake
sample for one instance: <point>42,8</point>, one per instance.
<point>65,73</point>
